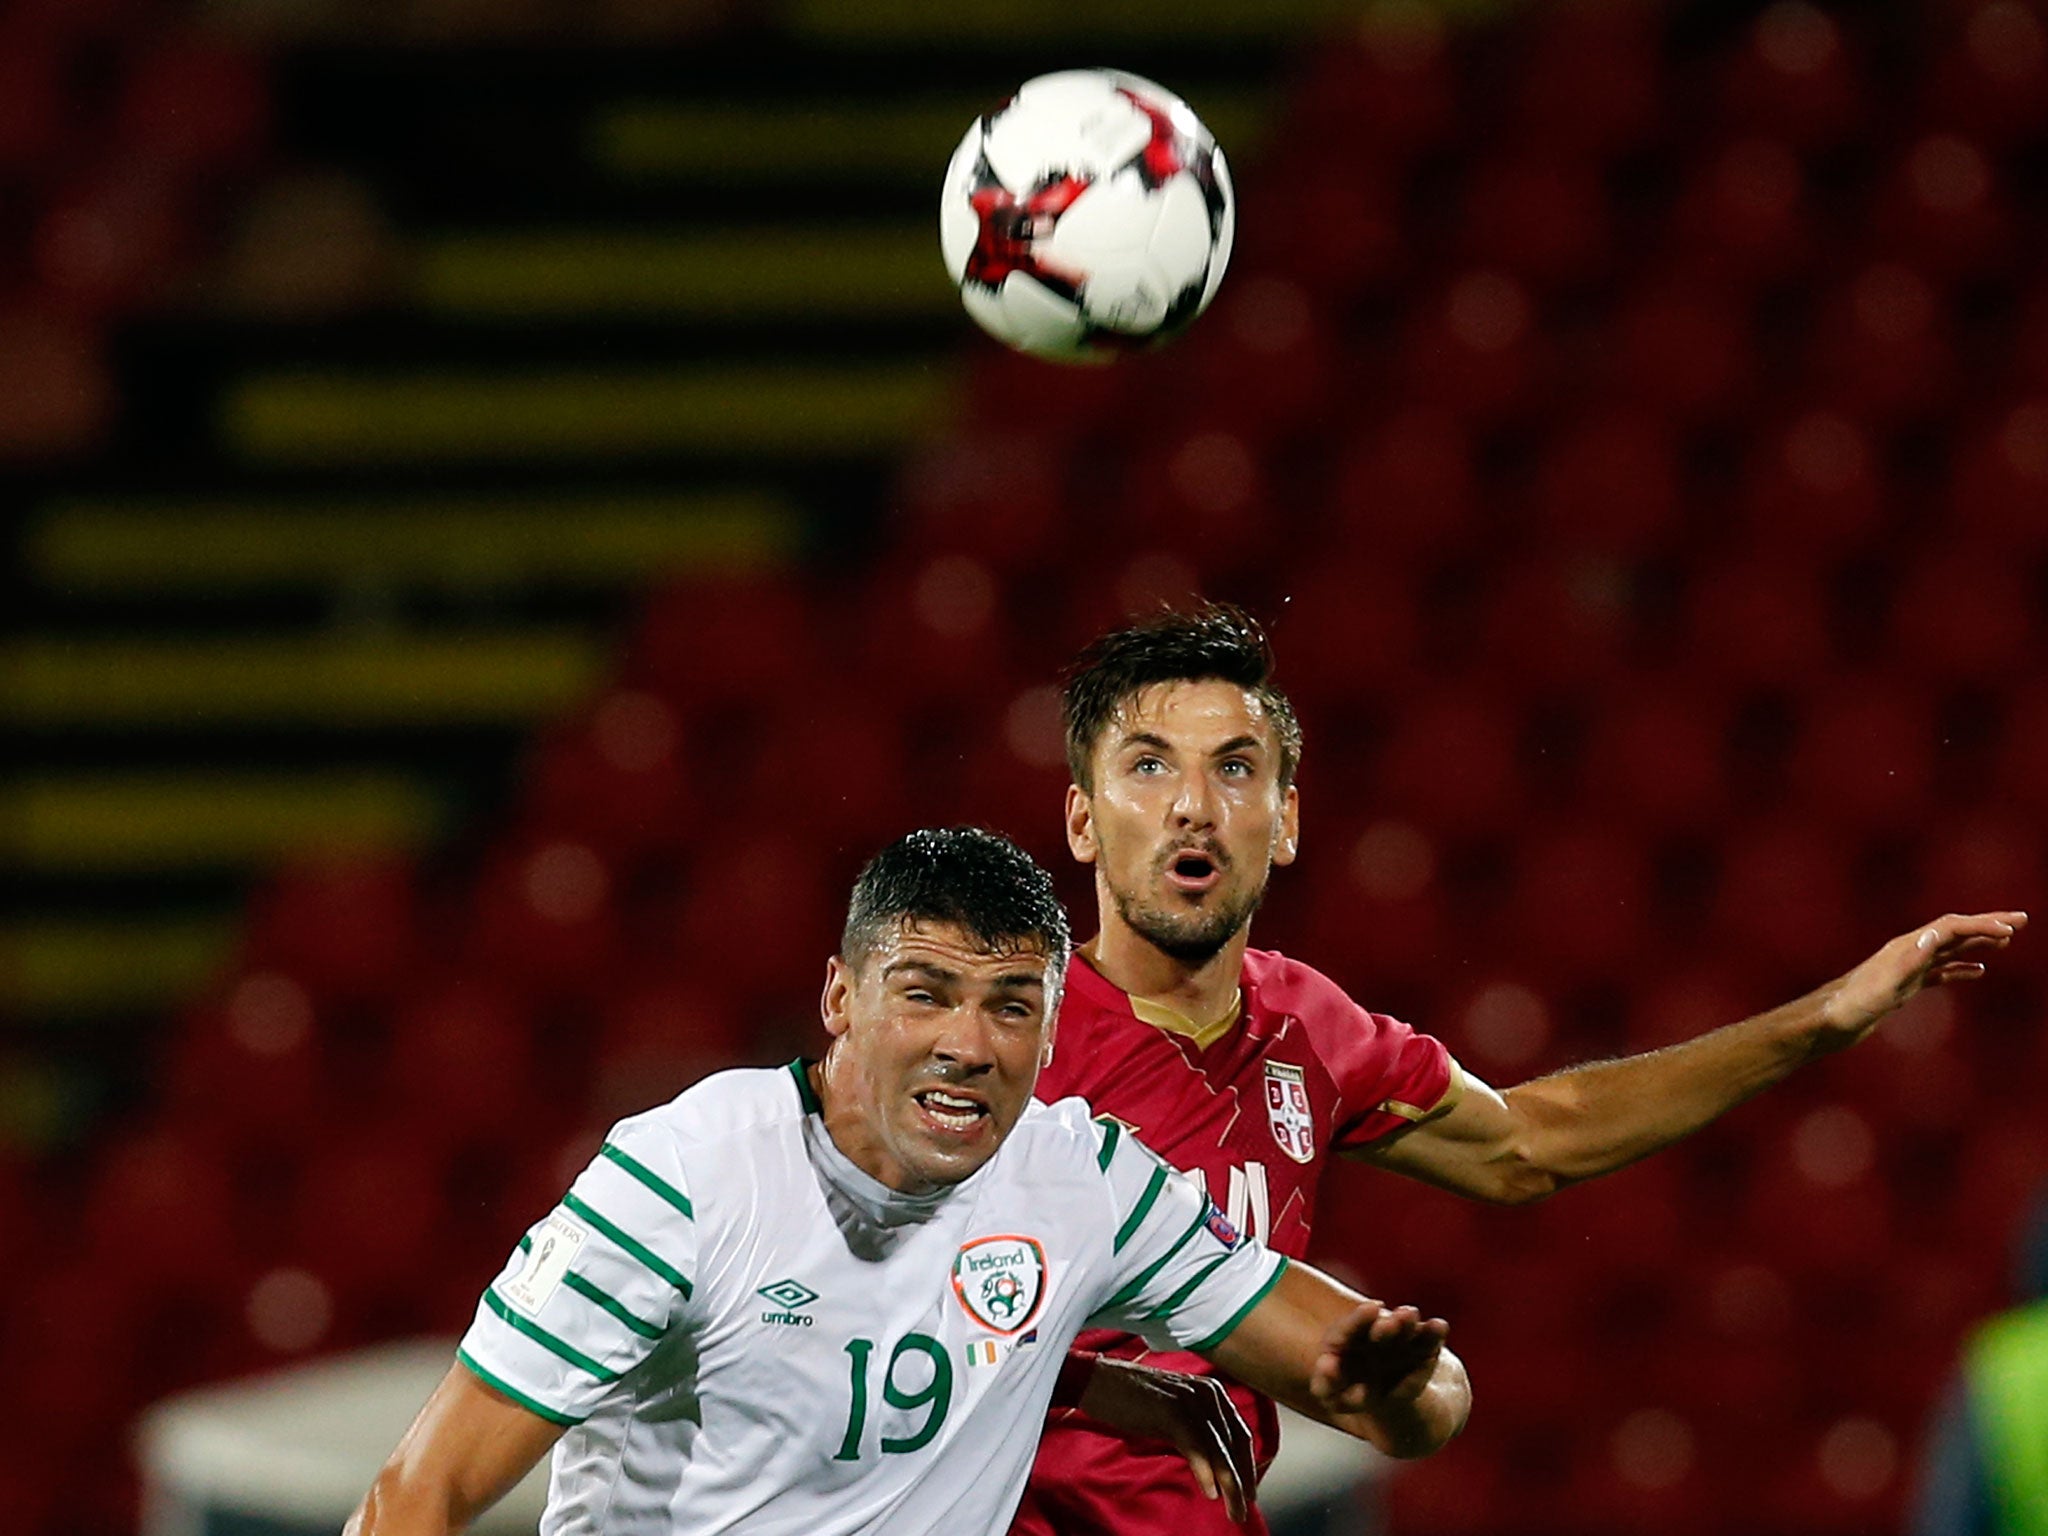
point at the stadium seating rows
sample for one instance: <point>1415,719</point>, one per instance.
<point>1662,579</point>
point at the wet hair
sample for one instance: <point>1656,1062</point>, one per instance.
<point>978,881</point>
<point>1216,641</point>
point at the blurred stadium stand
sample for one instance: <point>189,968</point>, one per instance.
<point>509,514</point>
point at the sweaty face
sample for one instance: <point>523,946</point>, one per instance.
<point>1187,816</point>
<point>937,1042</point>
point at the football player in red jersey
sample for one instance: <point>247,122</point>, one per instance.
<point>1252,1068</point>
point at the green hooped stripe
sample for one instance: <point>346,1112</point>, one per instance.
<point>1142,1209</point>
<point>1110,1132</point>
<point>1172,1303</point>
<point>798,1070</point>
<point>611,1304</point>
<point>548,1341</point>
<point>1143,1277</point>
<point>650,1178</point>
<point>627,1241</point>
<point>1242,1312</point>
<point>517,1396</point>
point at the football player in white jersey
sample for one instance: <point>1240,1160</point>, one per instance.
<point>837,1297</point>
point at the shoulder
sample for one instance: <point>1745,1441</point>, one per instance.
<point>719,1108</point>
<point>1277,983</point>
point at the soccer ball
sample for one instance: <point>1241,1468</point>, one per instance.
<point>1089,214</point>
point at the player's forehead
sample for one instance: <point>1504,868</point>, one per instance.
<point>928,947</point>
<point>1196,714</point>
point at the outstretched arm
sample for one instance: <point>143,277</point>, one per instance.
<point>1534,1139</point>
<point>1380,1373</point>
<point>464,1452</point>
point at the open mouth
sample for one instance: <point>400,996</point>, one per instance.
<point>951,1111</point>
<point>1193,870</point>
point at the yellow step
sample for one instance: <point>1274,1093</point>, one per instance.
<point>105,967</point>
<point>475,679</point>
<point>465,545</point>
<point>312,419</point>
<point>651,141</point>
<point>821,273</point>
<point>157,822</point>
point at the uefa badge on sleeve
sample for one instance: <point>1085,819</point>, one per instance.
<point>1287,1108</point>
<point>1000,1281</point>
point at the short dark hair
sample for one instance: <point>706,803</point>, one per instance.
<point>977,880</point>
<point>1217,640</point>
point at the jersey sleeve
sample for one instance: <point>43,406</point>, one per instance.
<point>1182,1276</point>
<point>1388,1074</point>
<point>593,1285</point>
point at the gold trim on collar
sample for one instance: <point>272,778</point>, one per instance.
<point>1174,1022</point>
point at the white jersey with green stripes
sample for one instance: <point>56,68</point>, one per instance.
<point>746,1333</point>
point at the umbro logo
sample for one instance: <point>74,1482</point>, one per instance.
<point>788,1296</point>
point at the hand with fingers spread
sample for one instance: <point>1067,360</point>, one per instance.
<point>1193,1414</point>
<point>1951,948</point>
<point>1379,1358</point>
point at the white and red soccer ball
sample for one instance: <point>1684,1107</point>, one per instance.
<point>1089,214</point>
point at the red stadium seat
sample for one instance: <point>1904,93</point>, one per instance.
<point>56,392</point>
<point>761,913</point>
<point>1590,79</point>
<point>1814,486</point>
<point>1998,478</point>
<point>1578,907</point>
<point>1867,755</point>
<point>461,1064</point>
<point>369,1209</point>
<point>162,1208</point>
<point>1653,756</point>
<point>837,768</point>
<point>248,1066</point>
<point>112,239</point>
<point>1784,897</point>
<point>1743,210</point>
<point>1609,483</point>
<point>1199,491</point>
<point>1881,345</point>
<point>1450,763</point>
<point>34,105</point>
<point>1389,85</point>
<point>1475,348</point>
<point>1541,215</point>
<point>2020,764</point>
<point>1350,628</point>
<point>660,1033</point>
<point>191,102</point>
<point>346,928</point>
<point>1795,78</point>
<point>1980,861</point>
<point>1337,236</point>
<point>1943,208</point>
<point>998,494</point>
<point>1991,83</point>
<point>1676,1005</point>
<point>1557,627</point>
<point>726,641</point>
<point>1264,365</point>
<point>1966,615</point>
<point>1405,488</point>
<point>1758,622</point>
<point>1681,345</point>
<point>543,916</point>
<point>615,777</point>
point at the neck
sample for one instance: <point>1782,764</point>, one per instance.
<point>1128,960</point>
<point>840,1109</point>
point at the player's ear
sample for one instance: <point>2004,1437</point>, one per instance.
<point>1289,842</point>
<point>833,1006</point>
<point>1080,825</point>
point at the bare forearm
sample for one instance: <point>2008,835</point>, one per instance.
<point>1593,1119</point>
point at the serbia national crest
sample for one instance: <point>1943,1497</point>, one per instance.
<point>1287,1107</point>
<point>1000,1281</point>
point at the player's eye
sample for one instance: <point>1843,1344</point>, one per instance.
<point>1236,768</point>
<point>1148,765</point>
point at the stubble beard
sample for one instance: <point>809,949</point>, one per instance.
<point>1193,938</point>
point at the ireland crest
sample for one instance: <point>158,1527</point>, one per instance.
<point>1000,1281</point>
<point>1287,1107</point>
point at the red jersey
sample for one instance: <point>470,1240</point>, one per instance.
<point>1252,1105</point>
